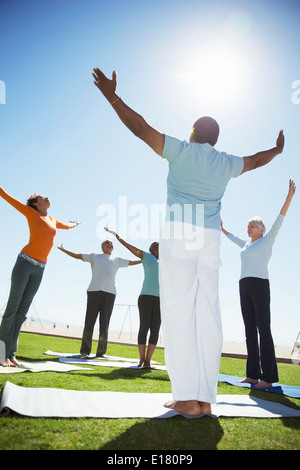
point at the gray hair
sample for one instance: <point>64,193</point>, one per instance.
<point>105,241</point>
<point>257,221</point>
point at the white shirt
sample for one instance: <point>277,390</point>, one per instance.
<point>256,255</point>
<point>104,269</point>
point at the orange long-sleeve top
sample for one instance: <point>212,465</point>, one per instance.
<point>42,229</point>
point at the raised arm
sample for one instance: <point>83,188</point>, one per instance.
<point>70,253</point>
<point>223,229</point>
<point>133,263</point>
<point>263,158</point>
<point>66,226</point>
<point>128,116</point>
<point>290,195</point>
<point>23,208</point>
<point>238,241</point>
<point>135,251</point>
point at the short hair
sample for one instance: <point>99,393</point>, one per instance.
<point>32,200</point>
<point>258,222</point>
<point>206,130</point>
<point>152,246</point>
<point>105,241</point>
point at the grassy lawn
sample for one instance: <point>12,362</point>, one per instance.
<point>178,433</point>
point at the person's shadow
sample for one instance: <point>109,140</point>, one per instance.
<point>170,434</point>
<point>278,398</point>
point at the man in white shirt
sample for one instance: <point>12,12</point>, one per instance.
<point>191,321</point>
<point>101,294</point>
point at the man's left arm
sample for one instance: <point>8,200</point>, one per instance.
<point>132,120</point>
<point>133,263</point>
<point>263,158</point>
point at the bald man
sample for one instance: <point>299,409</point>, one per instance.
<point>190,248</point>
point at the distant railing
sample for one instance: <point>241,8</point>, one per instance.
<point>132,317</point>
<point>128,311</point>
<point>122,314</point>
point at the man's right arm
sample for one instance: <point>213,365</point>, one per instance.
<point>70,253</point>
<point>132,120</point>
<point>140,128</point>
<point>263,158</point>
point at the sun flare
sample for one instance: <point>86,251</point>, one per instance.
<point>215,74</point>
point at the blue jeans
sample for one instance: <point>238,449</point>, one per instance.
<point>25,281</point>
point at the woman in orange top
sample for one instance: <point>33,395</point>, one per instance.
<point>29,268</point>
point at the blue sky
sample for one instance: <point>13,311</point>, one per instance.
<point>175,61</point>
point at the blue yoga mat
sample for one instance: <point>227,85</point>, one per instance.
<point>287,390</point>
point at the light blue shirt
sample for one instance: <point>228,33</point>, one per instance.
<point>256,255</point>
<point>198,176</point>
<point>150,284</point>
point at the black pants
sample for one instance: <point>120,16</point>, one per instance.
<point>97,302</point>
<point>149,310</point>
<point>255,305</point>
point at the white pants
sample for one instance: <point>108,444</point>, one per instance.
<point>190,311</point>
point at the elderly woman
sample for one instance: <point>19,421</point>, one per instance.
<point>29,268</point>
<point>148,301</point>
<point>255,296</point>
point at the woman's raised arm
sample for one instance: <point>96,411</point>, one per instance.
<point>290,195</point>
<point>135,251</point>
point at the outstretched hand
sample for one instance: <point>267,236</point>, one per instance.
<point>110,231</point>
<point>223,229</point>
<point>105,85</point>
<point>74,222</point>
<point>290,195</point>
<point>292,188</point>
<point>130,118</point>
<point>61,247</point>
<point>280,141</point>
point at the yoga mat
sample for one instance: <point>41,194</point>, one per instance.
<point>93,356</point>
<point>106,363</point>
<point>43,366</point>
<point>59,403</point>
<point>288,390</point>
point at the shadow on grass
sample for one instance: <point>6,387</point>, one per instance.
<point>116,374</point>
<point>293,423</point>
<point>177,433</point>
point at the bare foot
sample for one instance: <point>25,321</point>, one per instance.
<point>188,407</point>
<point>247,380</point>
<point>15,363</point>
<point>168,404</point>
<point>7,363</point>
<point>147,365</point>
<point>263,384</point>
<point>205,408</point>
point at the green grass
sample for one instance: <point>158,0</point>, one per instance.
<point>178,433</point>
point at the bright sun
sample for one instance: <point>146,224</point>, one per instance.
<point>217,73</point>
